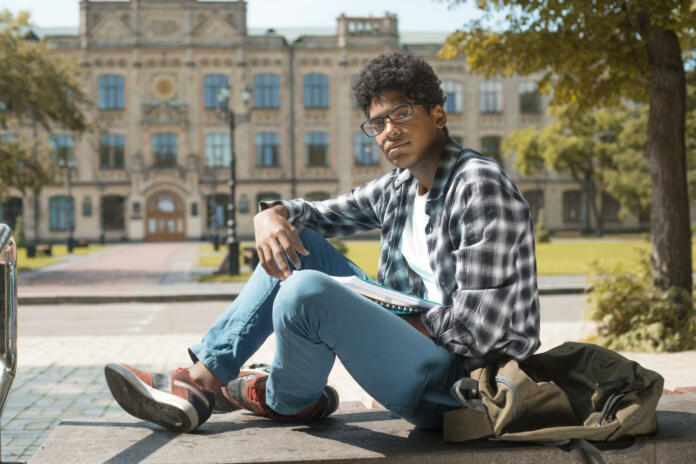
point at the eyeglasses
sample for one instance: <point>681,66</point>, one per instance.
<point>398,115</point>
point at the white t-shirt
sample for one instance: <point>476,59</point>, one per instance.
<point>414,247</point>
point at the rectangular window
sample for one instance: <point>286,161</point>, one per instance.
<point>267,149</point>
<point>164,150</point>
<point>317,144</point>
<point>61,212</point>
<point>217,150</point>
<point>266,91</point>
<point>366,150</point>
<point>111,151</point>
<point>212,85</point>
<point>490,146</point>
<point>573,206</point>
<point>535,199</point>
<point>111,92</point>
<point>491,95</point>
<point>316,91</point>
<point>62,150</point>
<point>217,209</point>
<point>453,96</point>
<point>530,98</point>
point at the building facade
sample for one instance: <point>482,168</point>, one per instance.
<point>158,166</point>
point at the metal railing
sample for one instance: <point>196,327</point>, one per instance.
<point>8,313</point>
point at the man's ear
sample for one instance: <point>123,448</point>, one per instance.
<point>439,116</point>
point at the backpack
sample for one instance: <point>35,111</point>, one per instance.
<point>573,392</point>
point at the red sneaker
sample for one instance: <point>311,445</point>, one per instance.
<point>249,392</point>
<point>173,400</point>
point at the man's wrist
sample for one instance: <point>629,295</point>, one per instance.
<point>282,210</point>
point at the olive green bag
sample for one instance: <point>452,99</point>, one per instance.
<point>573,391</point>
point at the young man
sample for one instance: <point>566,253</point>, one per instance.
<point>454,229</point>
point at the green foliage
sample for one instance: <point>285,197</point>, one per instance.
<point>589,53</point>
<point>602,149</point>
<point>633,315</point>
<point>541,232</point>
<point>19,234</point>
<point>39,89</point>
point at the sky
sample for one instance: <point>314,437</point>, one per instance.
<point>413,15</point>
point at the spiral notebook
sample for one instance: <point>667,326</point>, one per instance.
<point>393,300</point>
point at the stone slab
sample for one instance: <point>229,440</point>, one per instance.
<point>365,436</point>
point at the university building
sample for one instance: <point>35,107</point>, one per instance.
<point>158,166</point>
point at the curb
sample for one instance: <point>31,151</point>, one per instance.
<point>188,297</point>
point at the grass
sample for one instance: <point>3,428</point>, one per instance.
<point>59,251</point>
<point>560,257</point>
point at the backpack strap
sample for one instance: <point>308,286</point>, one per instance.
<point>470,422</point>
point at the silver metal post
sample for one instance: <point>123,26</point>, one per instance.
<point>8,312</point>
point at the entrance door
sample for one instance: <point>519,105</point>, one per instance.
<point>165,217</point>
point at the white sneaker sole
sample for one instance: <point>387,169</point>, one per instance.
<point>144,402</point>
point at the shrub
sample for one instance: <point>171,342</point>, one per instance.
<point>541,233</point>
<point>634,315</point>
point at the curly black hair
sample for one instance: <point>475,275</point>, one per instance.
<point>408,74</point>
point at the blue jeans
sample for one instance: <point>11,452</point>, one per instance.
<point>316,319</point>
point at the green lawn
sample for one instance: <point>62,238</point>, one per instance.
<point>556,258</point>
<point>58,251</point>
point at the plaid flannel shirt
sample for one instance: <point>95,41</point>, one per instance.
<point>481,246</point>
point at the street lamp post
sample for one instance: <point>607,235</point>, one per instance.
<point>70,205</point>
<point>226,114</point>
<point>100,186</point>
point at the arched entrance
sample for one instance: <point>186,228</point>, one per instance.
<point>166,217</point>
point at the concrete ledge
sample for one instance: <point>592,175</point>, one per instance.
<point>364,436</point>
<point>163,297</point>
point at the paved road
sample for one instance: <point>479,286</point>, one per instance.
<point>173,318</point>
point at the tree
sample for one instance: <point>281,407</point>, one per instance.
<point>603,150</point>
<point>595,54</point>
<point>39,89</point>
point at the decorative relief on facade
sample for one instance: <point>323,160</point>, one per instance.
<point>164,88</point>
<point>111,29</point>
<point>160,112</point>
<point>161,27</point>
<point>215,29</point>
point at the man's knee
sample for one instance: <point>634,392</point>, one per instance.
<point>300,296</point>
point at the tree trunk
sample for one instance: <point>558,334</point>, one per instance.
<point>591,190</point>
<point>669,210</point>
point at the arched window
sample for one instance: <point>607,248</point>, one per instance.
<point>535,199</point>
<point>574,206</point>
<point>164,150</point>
<point>366,150</point>
<point>217,150</point>
<point>316,91</point>
<point>111,151</point>
<point>453,94</point>
<point>62,150</point>
<point>267,149</point>
<point>530,98</point>
<point>212,83</point>
<point>266,91</point>
<point>490,146</point>
<point>317,145</point>
<point>111,92</point>
<point>491,97</point>
<point>61,211</point>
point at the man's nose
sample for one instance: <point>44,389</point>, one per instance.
<point>391,129</point>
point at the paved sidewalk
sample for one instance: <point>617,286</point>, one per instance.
<point>61,377</point>
<point>160,272</point>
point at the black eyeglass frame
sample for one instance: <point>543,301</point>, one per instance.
<point>387,116</point>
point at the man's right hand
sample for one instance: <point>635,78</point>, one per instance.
<point>274,234</point>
